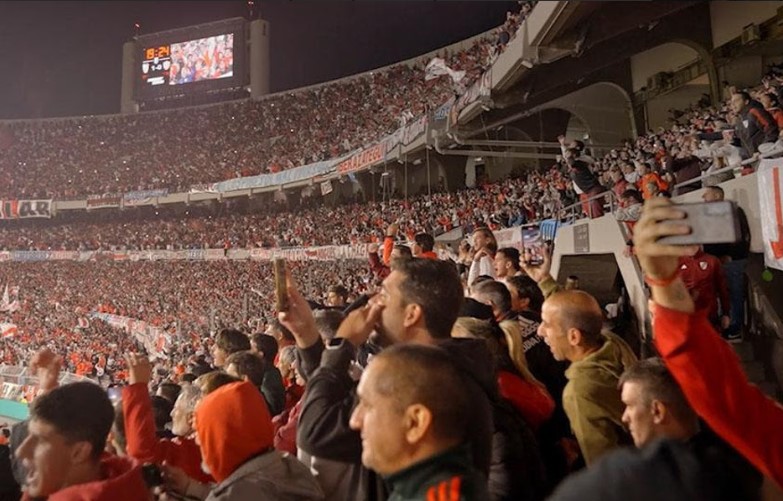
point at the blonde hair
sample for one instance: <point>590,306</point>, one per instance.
<point>516,350</point>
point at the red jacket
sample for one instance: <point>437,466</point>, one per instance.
<point>144,445</point>
<point>429,255</point>
<point>712,379</point>
<point>533,403</point>
<point>122,482</point>
<point>704,278</point>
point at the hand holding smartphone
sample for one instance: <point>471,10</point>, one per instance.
<point>710,223</point>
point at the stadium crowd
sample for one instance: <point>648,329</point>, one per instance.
<point>412,393</point>
<point>476,379</point>
<point>75,157</point>
<point>698,148</point>
<point>187,300</point>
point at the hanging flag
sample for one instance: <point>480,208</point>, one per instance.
<point>326,188</point>
<point>8,330</point>
<point>438,67</point>
<point>770,185</point>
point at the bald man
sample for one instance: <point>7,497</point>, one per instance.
<point>571,325</point>
<point>412,413</point>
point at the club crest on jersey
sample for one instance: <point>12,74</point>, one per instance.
<point>703,265</point>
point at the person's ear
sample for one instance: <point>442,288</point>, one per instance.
<point>81,452</point>
<point>574,336</point>
<point>658,411</point>
<point>413,313</point>
<point>418,423</point>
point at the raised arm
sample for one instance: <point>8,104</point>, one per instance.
<point>703,364</point>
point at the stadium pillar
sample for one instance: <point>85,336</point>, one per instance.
<point>127,104</point>
<point>259,58</point>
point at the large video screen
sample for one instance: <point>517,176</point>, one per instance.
<point>191,60</point>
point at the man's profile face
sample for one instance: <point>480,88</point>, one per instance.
<point>218,356</point>
<point>391,326</point>
<point>502,266</point>
<point>638,416</point>
<point>737,103</point>
<point>552,332</point>
<point>379,420</point>
<point>47,456</point>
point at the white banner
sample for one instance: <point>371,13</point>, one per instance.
<point>437,67</point>
<point>154,339</point>
<point>8,330</point>
<point>770,179</point>
<point>326,188</point>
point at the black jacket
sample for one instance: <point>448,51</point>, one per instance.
<point>323,429</point>
<point>755,126</point>
<point>666,469</point>
<point>737,250</point>
<point>583,177</point>
<point>451,471</point>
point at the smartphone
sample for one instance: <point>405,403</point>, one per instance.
<point>710,222</point>
<point>533,246</point>
<point>115,393</point>
<point>281,287</point>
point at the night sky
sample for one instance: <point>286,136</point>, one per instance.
<point>65,58</point>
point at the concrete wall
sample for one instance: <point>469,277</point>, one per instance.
<point>666,57</point>
<point>658,107</point>
<point>728,18</point>
<point>603,108</point>
<point>743,71</point>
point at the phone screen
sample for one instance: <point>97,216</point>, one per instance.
<point>533,246</point>
<point>115,393</point>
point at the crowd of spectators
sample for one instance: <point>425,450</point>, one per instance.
<point>427,389</point>
<point>705,147</point>
<point>187,300</point>
<point>68,158</point>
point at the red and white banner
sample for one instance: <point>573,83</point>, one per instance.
<point>23,209</point>
<point>770,185</point>
<point>362,159</point>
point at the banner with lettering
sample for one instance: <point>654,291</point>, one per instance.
<point>362,159</point>
<point>24,209</point>
<point>104,201</point>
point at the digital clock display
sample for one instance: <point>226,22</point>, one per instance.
<point>191,61</point>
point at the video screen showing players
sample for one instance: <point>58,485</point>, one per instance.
<point>208,58</point>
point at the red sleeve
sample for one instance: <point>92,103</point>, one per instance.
<point>712,379</point>
<point>145,446</point>
<point>388,247</point>
<point>142,442</point>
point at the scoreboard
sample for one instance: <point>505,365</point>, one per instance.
<point>156,65</point>
<point>190,60</point>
